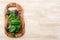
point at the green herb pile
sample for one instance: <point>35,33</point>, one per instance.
<point>14,23</point>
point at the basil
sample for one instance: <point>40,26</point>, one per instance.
<point>12,28</point>
<point>18,28</point>
<point>11,16</point>
<point>14,22</point>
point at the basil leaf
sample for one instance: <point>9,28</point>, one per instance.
<point>9,26</point>
<point>18,28</point>
<point>11,16</point>
<point>15,21</point>
<point>12,28</point>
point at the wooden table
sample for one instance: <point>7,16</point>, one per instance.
<point>42,19</point>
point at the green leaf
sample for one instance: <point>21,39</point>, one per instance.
<point>15,21</point>
<point>9,26</point>
<point>12,28</point>
<point>11,16</point>
<point>18,28</point>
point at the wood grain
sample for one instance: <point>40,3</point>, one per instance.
<point>42,19</point>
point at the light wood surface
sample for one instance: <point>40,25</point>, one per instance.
<point>42,19</point>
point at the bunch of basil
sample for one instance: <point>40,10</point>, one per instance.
<point>14,22</point>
